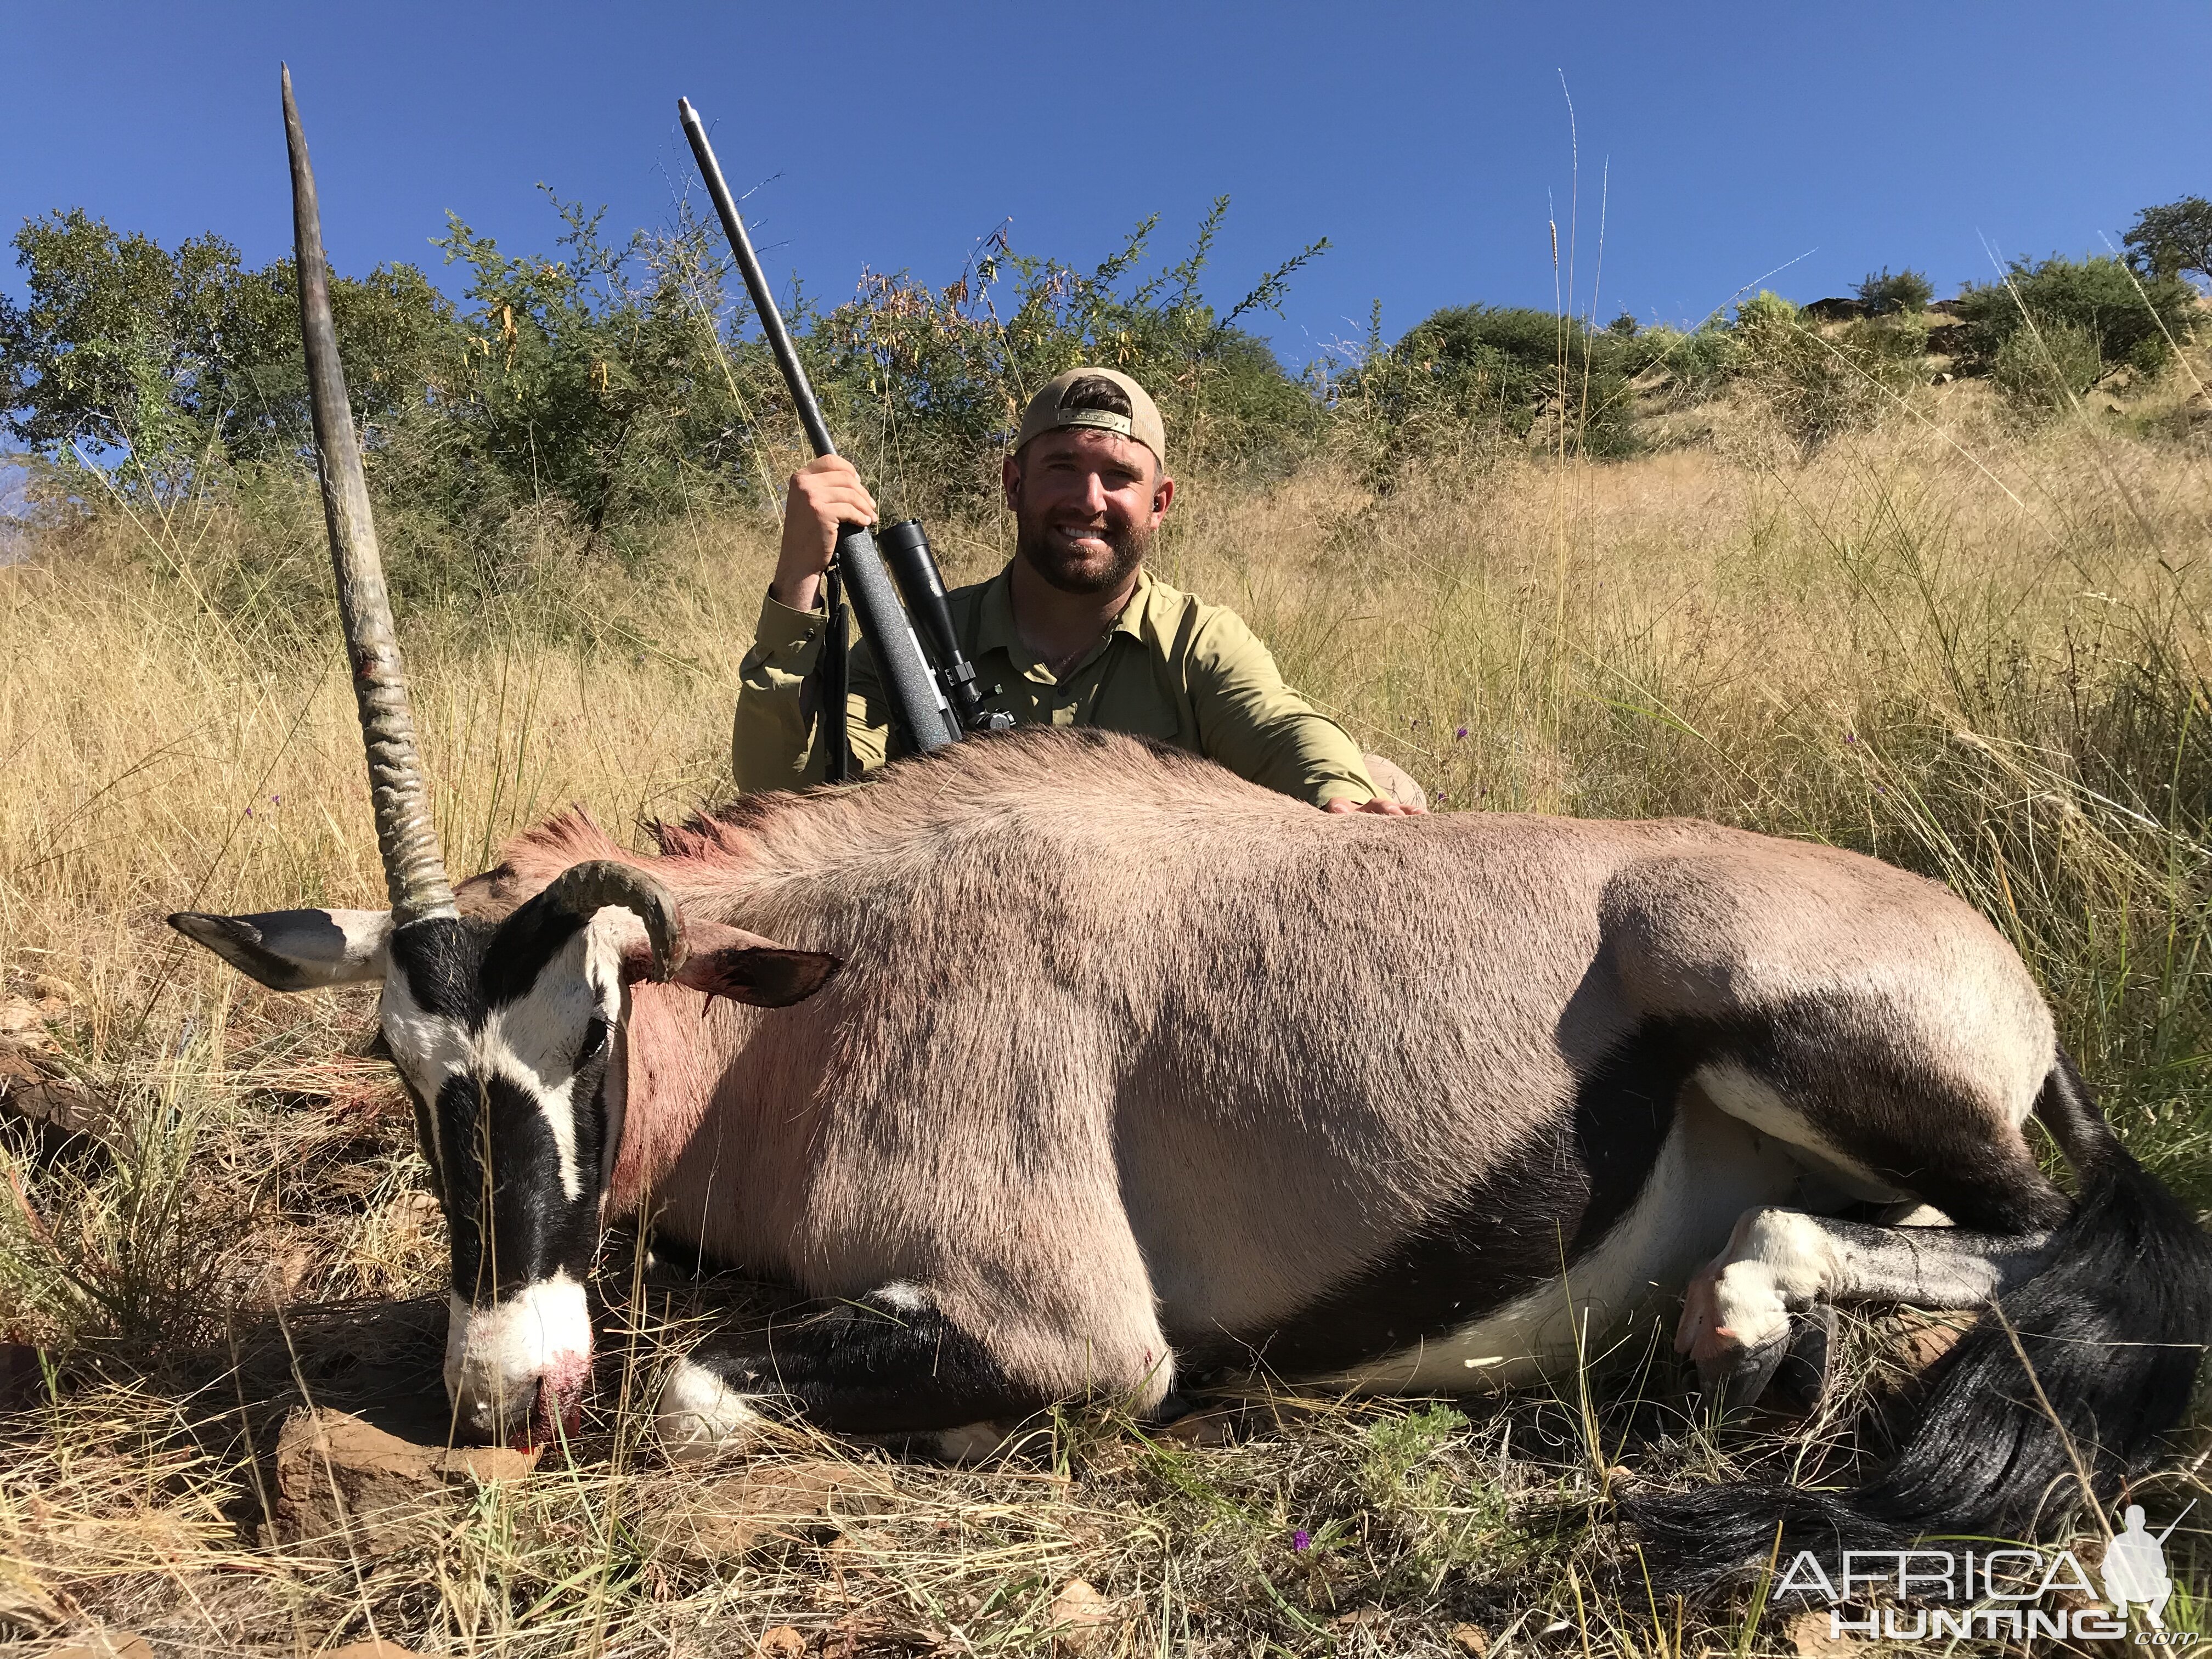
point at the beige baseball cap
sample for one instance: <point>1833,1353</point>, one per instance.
<point>1142,422</point>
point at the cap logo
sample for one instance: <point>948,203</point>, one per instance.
<point>1104,419</point>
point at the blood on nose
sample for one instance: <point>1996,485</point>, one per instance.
<point>557,1413</point>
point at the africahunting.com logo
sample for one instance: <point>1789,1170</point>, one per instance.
<point>2004,1594</point>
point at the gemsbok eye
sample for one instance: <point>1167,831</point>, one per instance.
<point>595,1040</point>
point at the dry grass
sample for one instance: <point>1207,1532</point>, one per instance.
<point>1981,653</point>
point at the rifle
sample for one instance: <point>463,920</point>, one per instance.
<point>918,682</point>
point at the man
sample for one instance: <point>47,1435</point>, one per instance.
<point>1074,631</point>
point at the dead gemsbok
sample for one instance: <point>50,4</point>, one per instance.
<point>1078,1063</point>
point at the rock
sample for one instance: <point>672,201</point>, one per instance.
<point>374,1648</point>
<point>1833,310</point>
<point>1471,1639</point>
<point>106,1644</point>
<point>1919,1339</point>
<point>782,1642</point>
<point>724,1519</point>
<point>1082,1620</point>
<point>22,1376</point>
<point>337,1475</point>
<point>58,1110</point>
<point>21,1023</point>
<point>1808,1636</point>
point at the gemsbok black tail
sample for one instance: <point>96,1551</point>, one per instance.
<point>2113,1329</point>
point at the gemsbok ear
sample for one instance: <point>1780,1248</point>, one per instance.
<point>295,950</point>
<point>728,962</point>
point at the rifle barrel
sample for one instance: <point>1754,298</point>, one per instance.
<point>779,338</point>
<point>918,709</point>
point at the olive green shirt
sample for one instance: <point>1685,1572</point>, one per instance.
<point>1171,667</point>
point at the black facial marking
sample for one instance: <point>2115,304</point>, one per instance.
<point>510,1221</point>
<point>439,958</point>
<point>511,1225</point>
<point>1536,1214</point>
<point>525,943</point>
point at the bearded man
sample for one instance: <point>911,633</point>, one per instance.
<point>1074,631</point>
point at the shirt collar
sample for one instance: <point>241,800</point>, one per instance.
<point>995,629</point>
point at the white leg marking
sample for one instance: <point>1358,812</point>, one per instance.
<point>1741,1094</point>
<point>1709,1170</point>
<point>1776,1262</point>
<point>970,1444</point>
<point>699,1414</point>
<point>496,1356</point>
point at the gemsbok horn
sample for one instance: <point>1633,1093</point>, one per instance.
<point>414,871</point>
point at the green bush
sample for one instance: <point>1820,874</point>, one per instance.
<point>1471,376</point>
<point>592,392</point>
<point>1883,294</point>
<point>1696,362</point>
<point>2045,369</point>
<point>166,368</point>
<point>2128,318</point>
<point>1818,387</point>
<point>937,378</point>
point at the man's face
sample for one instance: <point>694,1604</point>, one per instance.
<point>1085,504</point>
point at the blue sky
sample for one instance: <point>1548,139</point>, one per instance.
<point>1429,142</point>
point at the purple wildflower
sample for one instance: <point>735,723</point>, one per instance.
<point>1301,1540</point>
<point>1461,733</point>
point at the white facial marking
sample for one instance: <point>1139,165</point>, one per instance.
<point>699,1414</point>
<point>496,1356</point>
<point>427,1047</point>
<point>904,1296</point>
<point>532,1042</point>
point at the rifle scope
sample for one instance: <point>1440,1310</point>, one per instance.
<point>913,567</point>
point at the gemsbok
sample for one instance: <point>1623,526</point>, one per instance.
<point>1064,1063</point>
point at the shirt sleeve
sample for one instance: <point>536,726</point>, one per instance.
<point>775,735</point>
<point>1259,727</point>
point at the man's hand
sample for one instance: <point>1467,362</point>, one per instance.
<point>824,495</point>
<point>1388,809</point>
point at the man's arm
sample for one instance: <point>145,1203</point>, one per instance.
<point>1260,729</point>
<point>776,740</point>
<point>776,736</point>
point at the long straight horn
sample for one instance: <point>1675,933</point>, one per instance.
<point>414,872</point>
